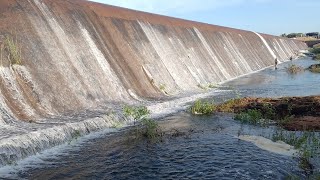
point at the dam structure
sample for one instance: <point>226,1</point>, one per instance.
<point>76,56</point>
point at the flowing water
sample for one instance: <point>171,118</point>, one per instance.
<point>197,148</point>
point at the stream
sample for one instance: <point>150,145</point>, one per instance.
<point>199,147</point>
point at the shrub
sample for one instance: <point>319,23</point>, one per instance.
<point>314,68</point>
<point>202,108</point>
<point>315,50</point>
<point>136,112</point>
<point>294,69</point>
<point>150,128</point>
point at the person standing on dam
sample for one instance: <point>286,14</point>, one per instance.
<point>275,63</point>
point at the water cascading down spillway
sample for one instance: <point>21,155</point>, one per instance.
<point>78,56</point>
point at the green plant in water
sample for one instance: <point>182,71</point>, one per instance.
<point>136,112</point>
<point>294,69</point>
<point>202,108</point>
<point>75,134</point>
<point>212,86</point>
<point>307,144</point>
<point>12,49</point>
<point>150,128</point>
<point>251,116</point>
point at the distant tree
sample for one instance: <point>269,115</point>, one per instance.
<point>293,35</point>
<point>299,35</point>
<point>283,35</point>
<point>313,34</point>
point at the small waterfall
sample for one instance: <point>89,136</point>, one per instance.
<point>266,44</point>
<point>9,79</point>
<point>21,146</point>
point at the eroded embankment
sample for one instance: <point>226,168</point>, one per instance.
<point>292,113</point>
<point>77,55</point>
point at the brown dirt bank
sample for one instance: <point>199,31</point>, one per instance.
<point>293,113</point>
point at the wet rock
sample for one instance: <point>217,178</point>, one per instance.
<point>314,68</point>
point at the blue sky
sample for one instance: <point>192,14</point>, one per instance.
<point>265,16</point>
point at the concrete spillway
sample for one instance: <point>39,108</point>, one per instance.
<point>77,55</point>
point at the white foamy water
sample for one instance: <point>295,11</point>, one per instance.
<point>18,147</point>
<point>9,80</point>
<point>266,44</point>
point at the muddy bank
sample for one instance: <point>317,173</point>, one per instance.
<point>292,113</point>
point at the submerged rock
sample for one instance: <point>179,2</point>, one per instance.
<point>278,147</point>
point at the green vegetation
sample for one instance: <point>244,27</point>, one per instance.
<point>307,144</point>
<point>147,127</point>
<point>136,112</point>
<point>294,69</point>
<point>293,35</point>
<point>251,116</point>
<point>202,108</point>
<point>11,50</point>
<point>315,50</point>
<point>162,87</point>
<point>314,68</point>
<point>75,134</point>
<point>212,86</point>
<point>150,129</point>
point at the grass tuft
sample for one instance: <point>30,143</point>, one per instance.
<point>202,108</point>
<point>12,50</point>
<point>136,112</point>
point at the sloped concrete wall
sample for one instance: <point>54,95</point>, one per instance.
<point>77,55</point>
